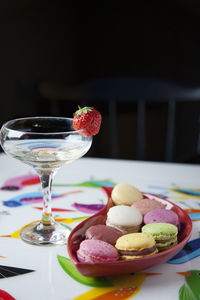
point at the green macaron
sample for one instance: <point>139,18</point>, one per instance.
<point>165,234</point>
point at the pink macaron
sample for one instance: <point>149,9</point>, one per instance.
<point>145,205</point>
<point>162,216</point>
<point>93,251</point>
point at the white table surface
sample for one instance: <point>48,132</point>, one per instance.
<point>48,280</point>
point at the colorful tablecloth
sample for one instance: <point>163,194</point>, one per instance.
<point>29,272</point>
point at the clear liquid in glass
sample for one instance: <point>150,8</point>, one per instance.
<point>47,154</point>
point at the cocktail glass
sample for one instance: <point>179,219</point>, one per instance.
<point>46,144</point>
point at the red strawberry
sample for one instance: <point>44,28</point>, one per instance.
<point>89,119</point>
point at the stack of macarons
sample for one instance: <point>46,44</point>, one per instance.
<point>135,227</point>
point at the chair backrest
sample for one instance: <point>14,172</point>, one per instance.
<point>139,90</point>
<point>129,89</point>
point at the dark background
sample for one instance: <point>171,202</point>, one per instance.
<point>47,46</point>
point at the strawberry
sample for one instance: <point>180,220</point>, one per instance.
<point>89,119</point>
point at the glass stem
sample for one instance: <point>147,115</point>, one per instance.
<point>46,182</point>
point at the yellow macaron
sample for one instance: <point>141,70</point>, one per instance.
<point>136,245</point>
<point>125,194</point>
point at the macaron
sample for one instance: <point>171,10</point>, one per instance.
<point>165,234</point>
<point>104,233</point>
<point>93,251</point>
<point>145,205</point>
<point>125,194</point>
<point>127,219</point>
<point>136,245</point>
<point>162,216</point>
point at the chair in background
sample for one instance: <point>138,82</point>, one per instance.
<point>121,90</point>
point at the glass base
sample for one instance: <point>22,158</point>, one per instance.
<point>36,233</point>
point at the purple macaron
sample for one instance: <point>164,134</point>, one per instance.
<point>162,216</point>
<point>104,233</point>
<point>93,251</point>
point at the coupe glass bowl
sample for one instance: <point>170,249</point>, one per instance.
<point>46,144</point>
